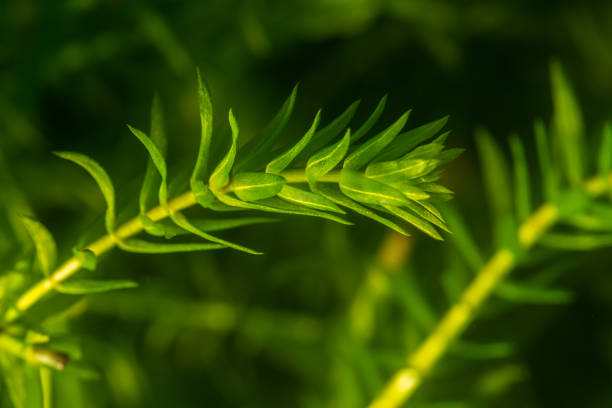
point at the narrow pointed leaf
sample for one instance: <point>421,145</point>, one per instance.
<point>411,191</point>
<point>276,205</point>
<point>221,224</point>
<point>370,149</point>
<point>428,151</point>
<point>84,287</point>
<point>435,188</point>
<point>327,134</point>
<point>255,152</point>
<point>158,137</point>
<point>333,193</point>
<point>184,223</point>
<point>425,214</point>
<point>604,162</point>
<point>324,161</point>
<point>550,179</point>
<point>364,190</point>
<point>281,162</point>
<point>463,240</point>
<point>400,170</point>
<point>576,241</point>
<point>522,192</point>
<point>407,141</point>
<point>220,177</point>
<point>46,250</point>
<point>371,121</point>
<point>206,121</point>
<point>144,247</point>
<point>158,161</point>
<point>568,129</point>
<point>449,155</point>
<point>308,199</point>
<point>101,178</point>
<point>256,186</point>
<point>416,221</point>
<point>525,293</point>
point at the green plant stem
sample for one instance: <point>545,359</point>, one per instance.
<point>32,354</point>
<point>405,382</point>
<point>125,231</point>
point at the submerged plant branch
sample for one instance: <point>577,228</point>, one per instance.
<point>406,381</point>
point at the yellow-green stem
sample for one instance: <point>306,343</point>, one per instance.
<point>109,241</point>
<point>407,380</point>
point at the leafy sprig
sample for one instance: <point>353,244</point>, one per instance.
<point>328,171</point>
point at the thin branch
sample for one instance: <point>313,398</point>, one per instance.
<point>405,382</point>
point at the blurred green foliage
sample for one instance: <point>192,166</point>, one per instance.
<point>326,315</point>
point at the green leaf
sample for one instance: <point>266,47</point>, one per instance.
<point>462,238</point>
<point>370,149</point>
<point>525,293</point>
<point>220,177</point>
<point>101,178</point>
<point>397,171</point>
<point>522,192</point>
<point>324,161</point>
<point>87,258</point>
<point>604,162</point>
<point>417,222</point>
<point>411,191</point>
<point>550,178</point>
<point>333,193</point>
<point>158,161</point>
<point>145,247</point>
<point>576,241</point>
<point>158,137</point>
<point>326,135</point>
<point>371,121</point>
<point>364,190</point>
<point>221,224</point>
<point>255,186</point>
<point>184,223</point>
<point>206,121</point>
<point>83,286</point>
<point>435,188</point>
<point>428,151</point>
<point>276,205</point>
<point>449,155</point>
<point>486,351</point>
<point>308,199</point>
<point>568,129</point>
<point>424,213</point>
<point>153,228</point>
<point>202,193</point>
<point>255,152</point>
<point>497,187</point>
<point>279,164</point>
<point>407,141</point>
<point>46,250</point>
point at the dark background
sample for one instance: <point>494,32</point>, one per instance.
<point>73,73</point>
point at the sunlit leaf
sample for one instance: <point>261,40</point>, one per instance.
<point>86,258</point>
<point>550,178</point>
<point>371,120</point>
<point>281,162</point>
<point>101,178</point>
<point>364,190</point>
<point>255,152</point>
<point>255,186</point>
<point>220,176</point>
<point>324,161</point>
<point>308,199</point>
<point>206,121</point>
<point>400,170</point>
<point>407,141</point>
<point>416,221</point>
<point>370,149</point>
